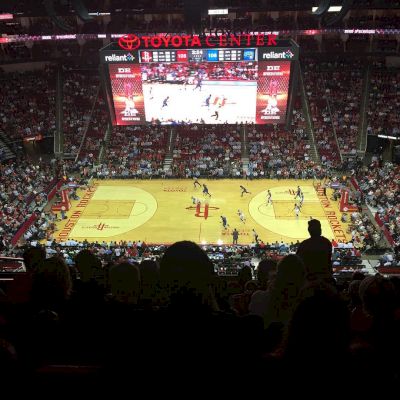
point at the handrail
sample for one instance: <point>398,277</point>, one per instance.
<point>87,124</point>
<point>105,143</point>
<point>362,132</point>
<point>58,135</point>
<point>331,118</point>
<point>307,112</point>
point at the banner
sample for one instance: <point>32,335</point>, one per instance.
<point>127,92</point>
<point>272,91</point>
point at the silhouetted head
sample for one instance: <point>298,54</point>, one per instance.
<point>284,290</point>
<point>314,227</point>
<point>265,269</point>
<point>87,264</point>
<point>124,281</point>
<point>354,292</point>
<point>358,276</point>
<point>319,327</point>
<point>377,295</point>
<point>33,257</point>
<point>244,276</point>
<point>290,271</point>
<point>52,282</point>
<point>186,272</point>
<point>150,279</point>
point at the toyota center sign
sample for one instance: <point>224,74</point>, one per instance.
<point>132,42</point>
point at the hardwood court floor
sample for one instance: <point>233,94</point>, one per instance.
<point>163,211</point>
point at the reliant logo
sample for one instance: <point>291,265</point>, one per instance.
<point>122,57</point>
<point>284,54</point>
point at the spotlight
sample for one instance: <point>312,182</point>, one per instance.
<point>325,6</point>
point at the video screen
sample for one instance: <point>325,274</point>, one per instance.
<point>126,86</point>
<point>272,91</point>
<point>200,88</point>
<point>207,93</point>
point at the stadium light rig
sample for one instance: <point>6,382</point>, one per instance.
<point>330,9</point>
<point>219,11</point>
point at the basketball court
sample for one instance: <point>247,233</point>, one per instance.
<point>165,211</point>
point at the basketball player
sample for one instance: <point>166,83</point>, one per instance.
<point>196,182</point>
<point>244,190</point>
<point>241,216</point>
<point>216,115</point>
<point>269,197</point>
<point>165,102</point>
<point>255,235</point>
<point>195,200</point>
<point>208,101</point>
<point>301,199</point>
<point>198,84</point>
<point>224,222</point>
<point>296,210</point>
<point>205,190</point>
<point>298,193</point>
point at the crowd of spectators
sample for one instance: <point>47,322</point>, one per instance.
<point>343,83</point>
<point>277,153</point>
<point>381,187</point>
<point>365,236</point>
<point>96,311</point>
<point>134,152</point>
<point>325,137</point>
<point>384,101</point>
<point>22,192</point>
<point>28,103</point>
<point>213,151</point>
<point>79,94</point>
<point>96,130</point>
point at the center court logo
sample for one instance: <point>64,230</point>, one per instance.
<point>101,227</point>
<point>202,211</point>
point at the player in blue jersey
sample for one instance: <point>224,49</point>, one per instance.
<point>205,190</point>
<point>224,222</point>
<point>165,102</point>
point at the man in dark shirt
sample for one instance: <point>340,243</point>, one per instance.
<point>235,235</point>
<point>316,252</point>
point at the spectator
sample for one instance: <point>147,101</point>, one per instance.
<point>125,283</point>
<point>316,253</point>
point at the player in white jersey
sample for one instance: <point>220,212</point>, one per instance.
<point>195,200</point>
<point>296,210</point>
<point>241,216</point>
<point>301,199</point>
<point>196,182</point>
<point>269,197</point>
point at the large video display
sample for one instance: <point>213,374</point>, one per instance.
<point>200,86</point>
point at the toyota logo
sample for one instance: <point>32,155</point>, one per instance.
<point>129,42</point>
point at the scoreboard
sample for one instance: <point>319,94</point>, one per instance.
<point>199,55</point>
<point>198,85</point>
